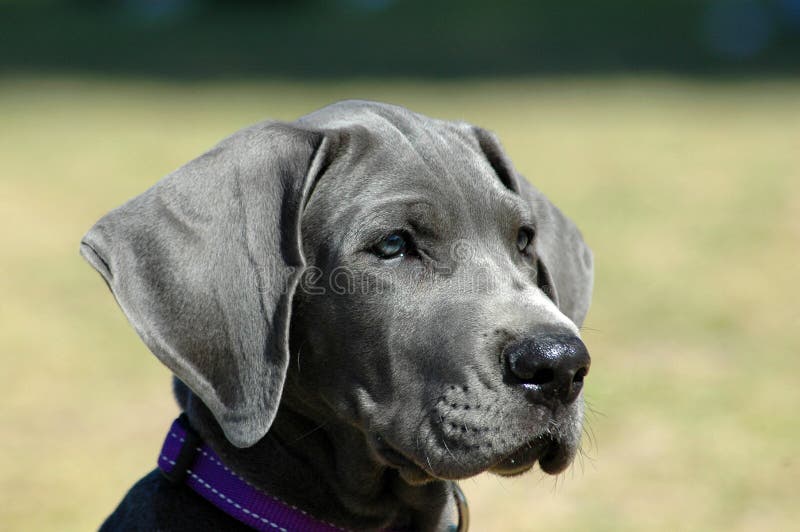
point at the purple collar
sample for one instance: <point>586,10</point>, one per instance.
<point>185,458</point>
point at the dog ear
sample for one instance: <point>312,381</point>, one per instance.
<point>565,264</point>
<point>204,265</point>
<point>565,261</point>
<point>496,155</point>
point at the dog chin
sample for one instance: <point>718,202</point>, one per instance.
<point>553,457</point>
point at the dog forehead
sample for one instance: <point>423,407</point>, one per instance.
<point>383,131</point>
<point>385,149</point>
<point>374,115</point>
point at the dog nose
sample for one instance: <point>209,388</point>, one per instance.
<point>551,366</point>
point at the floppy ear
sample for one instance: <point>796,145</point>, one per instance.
<point>204,265</point>
<point>565,262</point>
<point>564,258</point>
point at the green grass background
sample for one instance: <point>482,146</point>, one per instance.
<point>688,192</point>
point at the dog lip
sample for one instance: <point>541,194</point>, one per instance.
<point>394,458</point>
<point>555,459</point>
<point>552,455</point>
<point>524,458</point>
<point>397,460</point>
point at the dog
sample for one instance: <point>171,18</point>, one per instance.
<point>360,307</point>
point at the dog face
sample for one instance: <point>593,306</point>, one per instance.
<point>423,277</point>
<point>424,293</point>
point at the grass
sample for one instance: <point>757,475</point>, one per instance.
<point>688,192</point>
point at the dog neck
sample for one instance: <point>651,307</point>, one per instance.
<point>328,471</point>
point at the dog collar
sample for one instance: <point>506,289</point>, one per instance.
<point>186,459</point>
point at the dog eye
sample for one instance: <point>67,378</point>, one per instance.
<point>394,245</point>
<point>524,238</point>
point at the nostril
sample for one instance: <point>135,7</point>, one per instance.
<point>542,376</point>
<point>552,367</point>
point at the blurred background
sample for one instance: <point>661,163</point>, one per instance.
<point>669,130</point>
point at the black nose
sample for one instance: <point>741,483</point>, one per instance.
<point>552,366</point>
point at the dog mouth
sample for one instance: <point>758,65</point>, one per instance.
<point>408,469</point>
<point>553,457</point>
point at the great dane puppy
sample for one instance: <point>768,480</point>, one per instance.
<point>360,307</point>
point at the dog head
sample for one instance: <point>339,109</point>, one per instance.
<point>427,295</point>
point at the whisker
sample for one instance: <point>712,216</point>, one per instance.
<point>297,357</point>
<point>310,432</point>
<point>449,451</point>
<point>591,408</point>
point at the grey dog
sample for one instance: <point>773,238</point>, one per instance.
<point>359,307</point>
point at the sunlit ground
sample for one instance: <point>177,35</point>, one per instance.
<point>688,192</point>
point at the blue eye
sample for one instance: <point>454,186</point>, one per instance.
<point>524,238</point>
<point>394,245</point>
